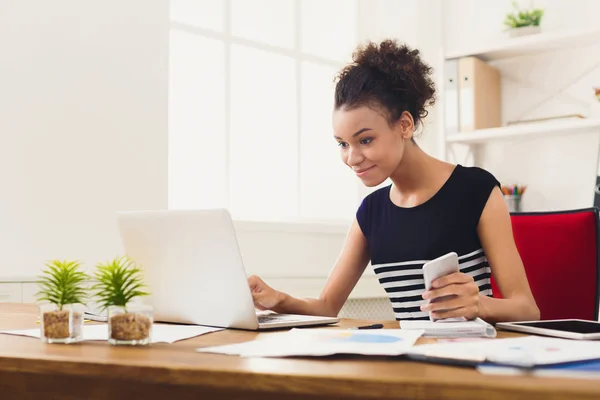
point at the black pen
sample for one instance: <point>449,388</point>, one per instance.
<point>374,326</point>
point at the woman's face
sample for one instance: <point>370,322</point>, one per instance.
<point>368,145</point>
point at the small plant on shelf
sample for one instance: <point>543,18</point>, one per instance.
<point>63,294</point>
<point>520,22</point>
<point>117,283</point>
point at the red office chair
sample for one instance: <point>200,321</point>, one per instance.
<point>560,254</point>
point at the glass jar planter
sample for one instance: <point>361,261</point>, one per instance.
<point>61,325</point>
<point>131,325</point>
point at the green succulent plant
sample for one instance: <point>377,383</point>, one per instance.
<point>520,18</point>
<point>117,282</point>
<point>61,283</point>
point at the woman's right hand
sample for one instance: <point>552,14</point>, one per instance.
<point>264,296</point>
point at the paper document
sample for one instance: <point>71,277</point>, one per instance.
<point>323,342</point>
<point>528,351</point>
<point>160,333</point>
<point>475,328</point>
<point>581,369</point>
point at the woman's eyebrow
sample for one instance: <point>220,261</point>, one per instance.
<point>356,133</point>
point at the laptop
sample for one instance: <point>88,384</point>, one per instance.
<point>194,270</point>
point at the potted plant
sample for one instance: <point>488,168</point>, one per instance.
<point>523,22</point>
<point>117,283</point>
<point>63,294</point>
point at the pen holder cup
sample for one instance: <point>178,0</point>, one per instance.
<point>513,202</point>
<point>61,324</point>
<point>131,325</point>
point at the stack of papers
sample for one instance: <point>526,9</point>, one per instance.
<point>160,333</point>
<point>451,328</point>
<point>524,352</point>
<point>323,342</point>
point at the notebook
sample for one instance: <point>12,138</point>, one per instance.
<point>444,329</point>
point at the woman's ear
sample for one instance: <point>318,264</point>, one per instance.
<point>406,124</point>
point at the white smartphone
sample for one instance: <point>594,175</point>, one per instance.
<point>441,266</point>
<point>434,269</point>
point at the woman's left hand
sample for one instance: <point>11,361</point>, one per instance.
<point>451,296</point>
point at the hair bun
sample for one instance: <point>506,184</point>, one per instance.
<point>401,70</point>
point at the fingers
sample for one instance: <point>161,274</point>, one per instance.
<point>264,296</point>
<point>458,289</point>
<point>451,303</point>
<point>457,277</point>
<point>255,283</point>
<point>256,288</point>
<point>253,280</point>
<point>260,299</point>
<point>454,295</point>
<point>469,313</point>
<point>266,300</point>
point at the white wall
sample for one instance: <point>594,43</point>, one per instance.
<point>83,125</point>
<point>477,22</point>
<point>418,24</point>
<point>560,171</point>
<point>297,258</point>
<point>84,98</point>
<point>85,102</point>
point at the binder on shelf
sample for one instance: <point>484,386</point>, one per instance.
<point>451,96</point>
<point>479,95</point>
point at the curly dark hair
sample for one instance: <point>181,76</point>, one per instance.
<point>388,75</point>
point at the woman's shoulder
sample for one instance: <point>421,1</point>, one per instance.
<point>378,196</point>
<point>370,208</point>
<point>477,177</point>
<point>473,190</point>
<point>374,200</point>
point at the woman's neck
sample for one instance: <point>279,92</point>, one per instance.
<point>418,176</point>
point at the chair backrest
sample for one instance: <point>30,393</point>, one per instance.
<point>560,253</point>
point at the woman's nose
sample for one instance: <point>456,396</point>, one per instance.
<point>355,157</point>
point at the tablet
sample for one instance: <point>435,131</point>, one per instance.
<point>563,328</point>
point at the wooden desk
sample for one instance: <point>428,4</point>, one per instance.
<point>30,369</point>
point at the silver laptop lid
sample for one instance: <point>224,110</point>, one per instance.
<point>192,265</point>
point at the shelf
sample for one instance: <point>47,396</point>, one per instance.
<point>535,43</point>
<point>527,131</point>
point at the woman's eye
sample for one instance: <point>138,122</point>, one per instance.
<point>365,140</point>
<point>343,145</point>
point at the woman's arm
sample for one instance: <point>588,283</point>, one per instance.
<point>348,269</point>
<point>462,297</point>
<point>496,236</point>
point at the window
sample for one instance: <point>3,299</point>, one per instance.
<point>250,102</point>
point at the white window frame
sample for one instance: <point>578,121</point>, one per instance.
<point>298,56</point>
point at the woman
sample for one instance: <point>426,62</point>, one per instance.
<point>431,208</point>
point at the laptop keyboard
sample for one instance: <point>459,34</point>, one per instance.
<point>270,318</point>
